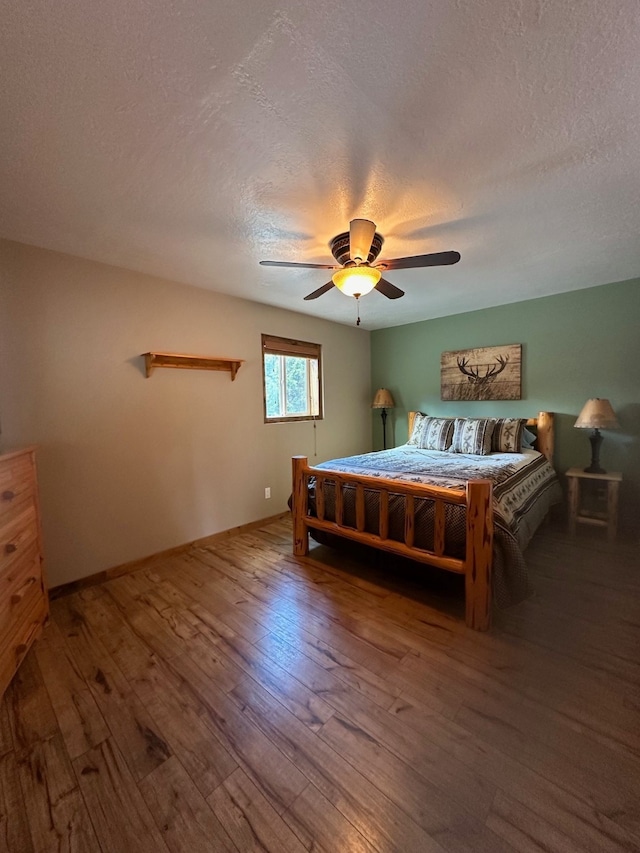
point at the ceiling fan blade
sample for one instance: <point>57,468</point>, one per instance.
<point>324,289</point>
<point>389,290</point>
<point>361,233</point>
<point>302,266</point>
<point>436,259</point>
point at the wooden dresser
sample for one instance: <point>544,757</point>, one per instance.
<point>24,606</point>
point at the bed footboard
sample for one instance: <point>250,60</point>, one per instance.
<point>476,499</point>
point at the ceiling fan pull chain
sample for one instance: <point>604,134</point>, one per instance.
<point>358,307</point>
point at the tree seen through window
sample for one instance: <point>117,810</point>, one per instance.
<point>291,371</point>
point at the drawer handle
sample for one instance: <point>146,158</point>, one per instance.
<point>17,597</point>
<point>10,547</point>
<point>8,495</point>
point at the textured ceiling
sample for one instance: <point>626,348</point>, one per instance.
<point>190,139</point>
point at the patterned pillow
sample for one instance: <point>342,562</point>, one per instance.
<point>473,435</point>
<point>416,432</point>
<point>507,435</point>
<point>436,434</point>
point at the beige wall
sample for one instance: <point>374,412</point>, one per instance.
<point>130,466</point>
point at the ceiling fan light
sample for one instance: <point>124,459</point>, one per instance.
<point>356,281</point>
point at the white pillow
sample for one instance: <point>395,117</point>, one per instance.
<point>416,432</point>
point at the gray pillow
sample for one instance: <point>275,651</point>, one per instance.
<point>507,435</point>
<point>431,433</point>
<point>416,432</point>
<point>473,435</point>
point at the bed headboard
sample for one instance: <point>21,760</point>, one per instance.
<point>543,425</point>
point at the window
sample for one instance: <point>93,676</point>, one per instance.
<point>292,376</point>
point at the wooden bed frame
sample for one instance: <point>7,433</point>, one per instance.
<point>476,497</point>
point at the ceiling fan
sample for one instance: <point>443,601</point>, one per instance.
<point>356,251</point>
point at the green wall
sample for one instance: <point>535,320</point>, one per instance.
<point>574,346</point>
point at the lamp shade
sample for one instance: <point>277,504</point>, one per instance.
<point>356,281</point>
<point>383,399</point>
<point>597,414</point>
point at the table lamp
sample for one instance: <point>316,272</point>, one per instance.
<point>596,414</point>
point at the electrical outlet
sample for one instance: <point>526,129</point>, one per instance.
<point>267,492</point>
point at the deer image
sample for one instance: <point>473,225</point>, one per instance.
<point>473,373</point>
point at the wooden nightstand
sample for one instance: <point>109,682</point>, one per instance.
<point>608,516</point>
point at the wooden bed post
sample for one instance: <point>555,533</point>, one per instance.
<point>299,507</point>
<point>411,418</point>
<point>479,554</point>
<point>545,443</point>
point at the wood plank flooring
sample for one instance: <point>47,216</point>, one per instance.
<point>235,698</point>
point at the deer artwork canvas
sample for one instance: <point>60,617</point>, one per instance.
<point>483,373</point>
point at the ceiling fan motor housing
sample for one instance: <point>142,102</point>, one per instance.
<point>340,248</point>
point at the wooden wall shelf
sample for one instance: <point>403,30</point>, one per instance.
<point>191,362</point>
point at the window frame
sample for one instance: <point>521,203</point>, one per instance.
<point>274,345</point>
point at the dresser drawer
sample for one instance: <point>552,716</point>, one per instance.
<point>24,606</point>
<point>15,646</point>
<point>17,482</point>
<point>18,532</point>
<point>20,585</point>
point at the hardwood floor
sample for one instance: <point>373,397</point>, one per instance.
<point>237,699</point>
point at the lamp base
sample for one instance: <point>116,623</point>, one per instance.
<point>596,441</point>
<point>383,415</point>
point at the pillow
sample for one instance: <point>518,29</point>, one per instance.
<point>473,435</point>
<point>528,439</point>
<point>437,434</point>
<point>507,435</point>
<point>432,433</point>
<point>416,432</point>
